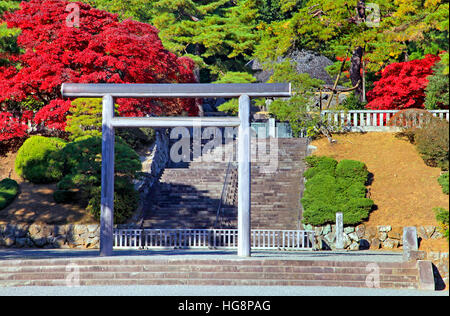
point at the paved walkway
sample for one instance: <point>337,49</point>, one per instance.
<point>367,256</point>
<point>179,290</point>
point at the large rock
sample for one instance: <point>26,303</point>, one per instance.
<point>425,232</point>
<point>354,246</point>
<point>375,243</point>
<point>349,229</point>
<point>385,229</point>
<point>370,233</point>
<point>9,241</point>
<point>364,244</point>
<point>347,241</point>
<point>390,243</point>
<point>382,236</point>
<point>34,230</point>
<point>326,229</point>
<point>330,237</point>
<point>21,230</point>
<point>353,236</point>
<point>306,62</point>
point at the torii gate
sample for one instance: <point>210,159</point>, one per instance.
<point>110,91</point>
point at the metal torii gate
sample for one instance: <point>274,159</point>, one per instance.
<point>110,91</point>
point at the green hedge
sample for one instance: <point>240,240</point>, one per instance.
<point>34,159</point>
<point>333,187</point>
<point>444,182</point>
<point>80,164</point>
<point>442,216</point>
<point>9,189</point>
<point>320,164</point>
<point>432,141</point>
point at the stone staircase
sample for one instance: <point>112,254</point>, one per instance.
<point>189,195</point>
<point>204,271</point>
<point>275,196</point>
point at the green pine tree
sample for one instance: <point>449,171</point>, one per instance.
<point>8,37</point>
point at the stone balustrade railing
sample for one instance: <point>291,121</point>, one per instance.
<point>369,120</point>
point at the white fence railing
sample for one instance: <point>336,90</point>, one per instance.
<point>369,120</point>
<point>211,238</point>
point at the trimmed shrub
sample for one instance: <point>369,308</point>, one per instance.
<point>320,164</point>
<point>85,118</point>
<point>432,141</point>
<point>125,201</point>
<point>80,162</point>
<point>136,138</point>
<point>352,171</point>
<point>444,182</point>
<point>442,216</point>
<point>9,189</point>
<point>357,190</point>
<point>333,187</point>
<point>34,162</point>
<point>356,210</point>
<point>319,213</point>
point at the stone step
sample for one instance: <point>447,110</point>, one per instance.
<point>162,274</point>
<point>51,272</point>
<point>156,266</point>
<point>206,282</point>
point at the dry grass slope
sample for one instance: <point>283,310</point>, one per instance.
<point>404,188</point>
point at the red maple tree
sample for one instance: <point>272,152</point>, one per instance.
<point>11,127</point>
<point>402,85</point>
<point>100,50</point>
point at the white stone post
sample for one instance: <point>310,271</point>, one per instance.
<point>339,231</point>
<point>272,128</point>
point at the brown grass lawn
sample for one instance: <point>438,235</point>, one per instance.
<point>404,188</point>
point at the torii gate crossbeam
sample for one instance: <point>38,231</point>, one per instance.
<point>110,91</point>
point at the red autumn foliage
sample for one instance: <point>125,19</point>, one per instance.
<point>11,127</point>
<point>54,114</point>
<point>101,50</point>
<point>402,85</point>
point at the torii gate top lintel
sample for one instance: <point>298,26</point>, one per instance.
<point>109,91</point>
<point>179,90</point>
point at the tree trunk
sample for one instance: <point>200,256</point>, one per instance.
<point>356,60</point>
<point>361,11</point>
<point>355,71</point>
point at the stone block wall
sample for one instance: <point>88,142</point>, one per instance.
<point>441,268</point>
<point>153,164</point>
<point>361,237</point>
<point>49,236</point>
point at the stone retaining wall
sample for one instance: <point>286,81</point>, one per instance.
<point>441,271</point>
<point>153,164</point>
<point>361,237</point>
<point>49,236</point>
<point>155,160</point>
